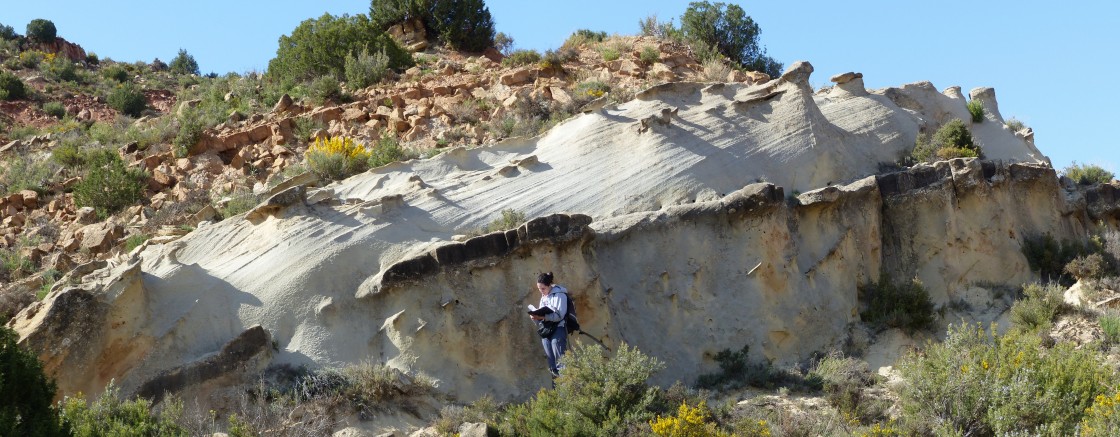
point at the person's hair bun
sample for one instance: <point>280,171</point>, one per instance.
<point>545,278</point>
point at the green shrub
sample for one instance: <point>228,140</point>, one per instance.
<point>889,305</point>
<point>582,37</point>
<point>952,140</point>
<point>732,33</point>
<point>649,55</point>
<point>41,30</point>
<point>11,87</point>
<point>386,151</point>
<point>1014,125</point>
<point>190,133</point>
<point>366,387</point>
<point>69,154</point>
<point>1091,267</point>
<point>521,57</point>
<point>503,42</point>
<point>1049,257</point>
<point>595,395</point>
<point>591,89</point>
<point>1039,307</point>
<point>1110,326</point>
<point>24,172</point>
<point>111,416</point>
<point>7,33</point>
<point>737,372</point>
<point>553,59</point>
<point>13,263</point>
<point>844,380</point>
<point>461,24</point>
<point>485,410</point>
<point>976,110</point>
<point>239,202</point>
<point>979,383</point>
<point>127,99</point>
<point>365,69</point>
<point>610,53</point>
<point>324,90</point>
<point>28,394</point>
<point>510,219</point>
<point>54,109</point>
<point>115,72</point>
<point>59,68</point>
<point>319,47</point>
<point>1088,174</point>
<point>135,241</point>
<point>183,63</point>
<point>110,185</point>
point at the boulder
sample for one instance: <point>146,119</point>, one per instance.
<point>845,77</point>
<point>30,199</point>
<point>100,237</point>
<point>86,215</point>
<point>283,104</point>
<point>517,77</point>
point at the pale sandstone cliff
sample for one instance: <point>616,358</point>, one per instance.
<point>666,239</point>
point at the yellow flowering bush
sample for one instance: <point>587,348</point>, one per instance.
<point>337,157</point>
<point>986,384</point>
<point>689,422</point>
<point>1103,417</point>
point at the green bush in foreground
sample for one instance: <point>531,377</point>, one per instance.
<point>1088,174</point>
<point>596,395</point>
<point>110,185</point>
<point>1049,257</point>
<point>979,383</point>
<point>890,305</point>
<point>26,392</point>
<point>111,416</point>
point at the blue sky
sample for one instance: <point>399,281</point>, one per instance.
<point>1049,62</point>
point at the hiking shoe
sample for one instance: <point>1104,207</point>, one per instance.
<point>554,373</point>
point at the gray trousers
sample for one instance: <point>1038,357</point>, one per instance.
<point>554,348</point>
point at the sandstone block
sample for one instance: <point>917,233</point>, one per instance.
<point>517,77</point>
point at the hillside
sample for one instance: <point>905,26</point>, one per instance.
<point>691,209</point>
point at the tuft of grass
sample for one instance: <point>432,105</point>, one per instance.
<point>510,219</point>
<point>135,241</point>
<point>1110,325</point>
<point>976,110</point>
<point>1014,124</point>
<point>521,57</point>
<point>1039,307</point>
<point>583,37</point>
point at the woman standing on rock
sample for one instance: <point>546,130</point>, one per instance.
<point>550,323</point>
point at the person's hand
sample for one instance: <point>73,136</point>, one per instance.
<point>536,317</point>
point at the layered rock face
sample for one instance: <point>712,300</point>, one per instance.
<point>651,213</point>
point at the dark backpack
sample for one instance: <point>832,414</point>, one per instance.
<point>570,319</point>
